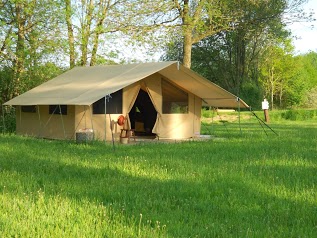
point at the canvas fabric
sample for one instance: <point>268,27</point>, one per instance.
<point>210,93</point>
<point>86,85</point>
<point>80,87</point>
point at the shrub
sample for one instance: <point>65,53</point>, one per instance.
<point>8,120</point>
<point>298,115</point>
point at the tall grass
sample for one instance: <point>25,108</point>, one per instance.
<point>243,183</point>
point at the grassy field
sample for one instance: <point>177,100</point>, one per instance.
<point>245,182</point>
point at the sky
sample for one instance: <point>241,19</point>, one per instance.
<point>305,36</point>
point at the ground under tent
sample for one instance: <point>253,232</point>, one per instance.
<point>160,100</point>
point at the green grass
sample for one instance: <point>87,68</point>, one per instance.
<point>244,183</point>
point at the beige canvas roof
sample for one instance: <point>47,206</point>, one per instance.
<point>210,93</point>
<point>86,85</point>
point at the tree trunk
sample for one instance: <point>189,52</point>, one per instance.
<point>240,61</point>
<point>103,11</point>
<point>70,32</point>
<point>85,34</point>
<point>187,42</point>
<point>187,48</point>
<point>20,47</point>
<point>272,88</point>
<point>281,96</point>
<point>94,50</point>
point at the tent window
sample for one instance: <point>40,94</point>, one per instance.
<point>114,104</point>
<point>175,100</point>
<point>31,109</point>
<point>58,109</point>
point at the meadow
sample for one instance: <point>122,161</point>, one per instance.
<point>244,182</point>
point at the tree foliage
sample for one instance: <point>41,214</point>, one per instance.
<point>238,58</point>
<point>29,38</point>
<point>198,20</point>
<point>227,41</point>
<point>307,75</point>
<point>92,24</point>
<point>278,75</point>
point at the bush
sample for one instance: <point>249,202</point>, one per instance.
<point>299,115</point>
<point>8,120</point>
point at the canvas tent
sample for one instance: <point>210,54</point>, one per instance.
<point>162,98</point>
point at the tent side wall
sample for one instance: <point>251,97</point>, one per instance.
<point>174,125</point>
<point>85,119</point>
<point>27,123</point>
<point>180,126</point>
<point>45,125</point>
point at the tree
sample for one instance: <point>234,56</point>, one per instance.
<point>27,40</point>
<point>204,18</point>
<point>70,33</point>
<point>232,57</point>
<point>308,76</point>
<point>229,56</point>
<point>278,76</point>
<point>200,19</point>
<point>88,22</point>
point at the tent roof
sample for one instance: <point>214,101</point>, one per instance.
<point>86,85</point>
<point>210,93</point>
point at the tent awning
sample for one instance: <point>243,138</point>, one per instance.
<point>210,93</point>
<point>86,85</point>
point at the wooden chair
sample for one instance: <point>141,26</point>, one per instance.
<point>127,133</point>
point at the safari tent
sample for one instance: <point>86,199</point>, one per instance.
<point>162,99</point>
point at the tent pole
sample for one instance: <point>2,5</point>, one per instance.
<point>194,133</point>
<point>60,112</point>
<point>223,122</point>
<point>212,120</point>
<point>39,114</point>
<point>105,118</point>
<point>91,121</point>
<point>239,116</point>
<point>260,120</point>
<point>261,125</point>
<point>111,128</point>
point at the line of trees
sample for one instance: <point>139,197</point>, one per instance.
<point>253,57</point>
<point>240,45</point>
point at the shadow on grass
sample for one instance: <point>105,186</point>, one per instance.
<point>225,195</point>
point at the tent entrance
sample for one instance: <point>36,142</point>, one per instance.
<point>143,115</point>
